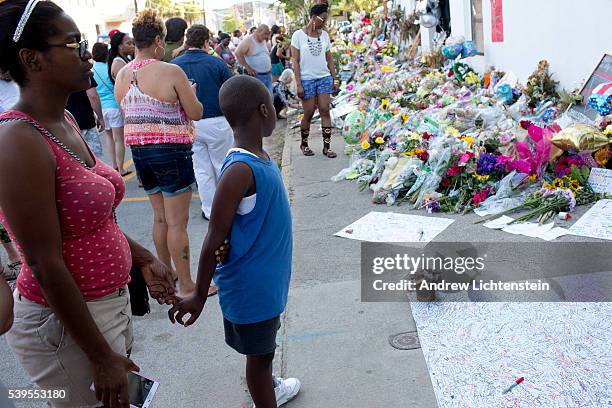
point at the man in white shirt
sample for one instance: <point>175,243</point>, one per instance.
<point>254,55</point>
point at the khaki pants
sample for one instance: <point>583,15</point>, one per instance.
<point>52,358</point>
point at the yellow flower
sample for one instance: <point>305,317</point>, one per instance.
<point>557,183</point>
<point>404,118</point>
<point>601,156</point>
<point>365,145</point>
<point>574,185</point>
<point>451,131</point>
<point>608,130</point>
<point>533,178</point>
<point>469,140</point>
<point>380,140</point>
<point>472,78</point>
<point>481,178</point>
<point>384,104</point>
<point>546,185</point>
<point>415,136</point>
<point>413,152</point>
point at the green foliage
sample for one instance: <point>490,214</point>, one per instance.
<point>190,11</point>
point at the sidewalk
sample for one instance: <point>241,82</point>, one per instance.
<point>335,344</point>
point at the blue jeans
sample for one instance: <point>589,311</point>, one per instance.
<point>266,79</point>
<point>165,168</point>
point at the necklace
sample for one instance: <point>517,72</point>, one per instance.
<point>315,47</point>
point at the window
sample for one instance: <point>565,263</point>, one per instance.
<point>477,25</point>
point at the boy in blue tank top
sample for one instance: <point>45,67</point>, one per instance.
<point>250,207</point>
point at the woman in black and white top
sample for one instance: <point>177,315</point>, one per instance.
<point>315,75</point>
<point>121,52</point>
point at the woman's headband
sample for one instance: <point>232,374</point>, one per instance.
<point>27,12</point>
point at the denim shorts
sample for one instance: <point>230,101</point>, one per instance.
<point>314,87</point>
<point>165,168</point>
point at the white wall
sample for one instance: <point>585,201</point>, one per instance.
<point>571,34</point>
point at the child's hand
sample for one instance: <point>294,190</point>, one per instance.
<point>222,252</point>
<point>192,305</point>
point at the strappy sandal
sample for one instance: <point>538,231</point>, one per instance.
<point>306,151</point>
<point>327,131</point>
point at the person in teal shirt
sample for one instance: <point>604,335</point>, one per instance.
<point>113,118</point>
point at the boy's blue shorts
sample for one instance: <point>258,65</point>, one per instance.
<point>254,338</point>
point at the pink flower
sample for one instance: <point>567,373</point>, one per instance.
<point>521,166</point>
<point>465,157</point>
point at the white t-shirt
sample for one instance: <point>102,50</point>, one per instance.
<point>313,64</point>
<point>9,94</point>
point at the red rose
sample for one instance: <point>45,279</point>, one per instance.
<point>445,182</point>
<point>426,136</point>
<point>525,124</point>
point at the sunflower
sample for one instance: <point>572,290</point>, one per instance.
<point>557,183</point>
<point>379,140</point>
<point>574,185</point>
<point>469,140</point>
<point>384,104</point>
<point>404,118</point>
<point>365,145</point>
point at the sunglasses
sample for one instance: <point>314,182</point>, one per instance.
<point>81,46</point>
<point>321,19</point>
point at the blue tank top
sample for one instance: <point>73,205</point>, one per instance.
<point>105,88</point>
<point>254,281</point>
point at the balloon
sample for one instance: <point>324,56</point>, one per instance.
<point>429,20</point>
<point>580,137</point>
<point>354,124</point>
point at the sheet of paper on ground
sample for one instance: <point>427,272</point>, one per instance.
<point>547,232</point>
<point>476,350</point>
<point>394,227</point>
<point>596,223</point>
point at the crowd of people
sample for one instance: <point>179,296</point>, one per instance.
<point>70,266</point>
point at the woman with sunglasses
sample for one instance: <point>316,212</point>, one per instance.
<point>315,75</point>
<point>72,323</point>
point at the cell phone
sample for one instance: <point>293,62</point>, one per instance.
<point>141,390</point>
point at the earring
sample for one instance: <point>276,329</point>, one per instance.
<point>155,52</point>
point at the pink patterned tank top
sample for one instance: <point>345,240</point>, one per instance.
<point>94,249</point>
<point>151,121</point>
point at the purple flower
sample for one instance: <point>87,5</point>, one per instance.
<point>487,164</point>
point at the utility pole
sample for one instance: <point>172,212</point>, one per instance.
<point>135,6</point>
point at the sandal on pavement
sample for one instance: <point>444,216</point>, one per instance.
<point>306,151</point>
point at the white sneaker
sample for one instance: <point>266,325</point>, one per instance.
<point>285,390</point>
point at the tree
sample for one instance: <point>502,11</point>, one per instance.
<point>190,11</point>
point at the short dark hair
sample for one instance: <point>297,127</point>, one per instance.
<point>99,52</point>
<point>224,36</point>
<point>237,33</point>
<point>146,26</point>
<point>274,29</point>
<point>197,35</point>
<point>175,29</point>
<point>318,9</point>
<point>235,107</point>
<point>38,29</point>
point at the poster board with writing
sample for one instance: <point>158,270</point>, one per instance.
<point>601,74</point>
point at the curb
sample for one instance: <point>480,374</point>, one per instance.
<point>286,161</point>
<point>279,363</point>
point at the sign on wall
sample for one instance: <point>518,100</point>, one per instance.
<point>497,21</point>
